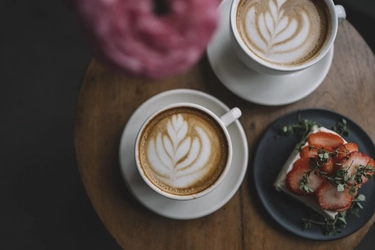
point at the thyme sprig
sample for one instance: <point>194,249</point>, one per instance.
<point>304,126</point>
<point>330,227</point>
<point>334,226</point>
<point>341,127</point>
<point>315,165</point>
<point>301,128</point>
<point>342,178</point>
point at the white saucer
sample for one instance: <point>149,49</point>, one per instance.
<point>182,209</point>
<point>255,87</point>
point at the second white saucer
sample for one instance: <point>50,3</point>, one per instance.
<point>174,208</point>
<point>255,87</point>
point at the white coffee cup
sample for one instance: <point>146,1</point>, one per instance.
<point>280,40</point>
<point>183,151</point>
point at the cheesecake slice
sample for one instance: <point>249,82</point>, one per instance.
<point>322,173</point>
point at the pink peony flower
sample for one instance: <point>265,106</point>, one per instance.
<point>148,38</point>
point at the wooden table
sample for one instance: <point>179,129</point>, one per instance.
<point>107,100</point>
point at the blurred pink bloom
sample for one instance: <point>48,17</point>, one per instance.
<point>139,39</point>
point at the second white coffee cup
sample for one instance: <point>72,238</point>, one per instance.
<point>278,37</point>
<point>183,151</point>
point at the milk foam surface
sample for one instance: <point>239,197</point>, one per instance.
<point>183,151</point>
<point>283,32</point>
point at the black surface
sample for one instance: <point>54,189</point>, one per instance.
<point>285,210</point>
<point>43,202</point>
<point>43,57</point>
<point>361,14</point>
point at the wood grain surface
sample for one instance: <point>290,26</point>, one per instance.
<point>107,100</point>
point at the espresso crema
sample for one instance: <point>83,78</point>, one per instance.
<point>183,151</point>
<point>283,32</point>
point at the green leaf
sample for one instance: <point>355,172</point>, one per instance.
<point>361,197</point>
<point>342,219</point>
<point>340,187</point>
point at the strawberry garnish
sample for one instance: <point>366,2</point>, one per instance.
<point>328,167</point>
<point>302,180</point>
<point>325,139</point>
<point>344,150</point>
<point>329,198</point>
<point>357,167</point>
<point>308,152</point>
<point>312,151</point>
<point>320,158</point>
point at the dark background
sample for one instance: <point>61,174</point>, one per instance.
<point>43,57</point>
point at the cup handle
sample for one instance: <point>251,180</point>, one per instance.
<point>231,116</point>
<point>340,12</point>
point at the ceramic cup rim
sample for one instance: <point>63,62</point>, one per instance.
<point>272,67</point>
<point>203,192</point>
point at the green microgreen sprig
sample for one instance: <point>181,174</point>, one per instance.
<point>330,227</point>
<point>301,128</point>
<point>343,180</point>
<point>334,226</point>
<point>304,126</point>
<point>341,127</point>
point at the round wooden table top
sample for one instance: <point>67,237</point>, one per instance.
<point>107,100</point>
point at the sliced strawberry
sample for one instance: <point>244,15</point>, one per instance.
<point>354,162</point>
<point>308,152</point>
<point>331,199</point>
<point>325,139</point>
<point>312,151</point>
<point>345,149</point>
<point>358,167</point>
<point>328,167</point>
<point>298,172</point>
<point>352,195</point>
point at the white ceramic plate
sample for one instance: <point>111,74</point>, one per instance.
<point>182,209</point>
<point>255,87</point>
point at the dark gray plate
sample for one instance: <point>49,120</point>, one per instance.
<point>270,155</point>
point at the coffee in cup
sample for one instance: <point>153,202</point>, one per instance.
<point>283,36</point>
<point>183,151</point>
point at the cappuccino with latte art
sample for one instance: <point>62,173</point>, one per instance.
<point>182,151</point>
<point>286,33</point>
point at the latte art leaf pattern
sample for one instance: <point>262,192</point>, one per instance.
<point>179,159</point>
<point>278,32</point>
